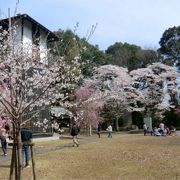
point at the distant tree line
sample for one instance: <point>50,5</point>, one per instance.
<point>131,56</point>
<point>125,55</point>
<point>121,54</point>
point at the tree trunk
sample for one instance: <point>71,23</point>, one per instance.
<point>12,163</point>
<point>13,155</point>
<point>16,160</point>
<point>117,124</point>
<point>13,167</point>
<point>90,130</point>
<point>33,162</point>
<point>19,155</point>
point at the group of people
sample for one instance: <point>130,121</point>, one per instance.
<point>75,130</point>
<point>109,130</point>
<point>26,136</point>
<point>162,130</point>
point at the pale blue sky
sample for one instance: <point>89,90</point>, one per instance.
<point>140,22</point>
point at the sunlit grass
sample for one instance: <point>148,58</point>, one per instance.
<point>122,157</point>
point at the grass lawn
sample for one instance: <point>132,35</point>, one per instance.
<point>125,156</point>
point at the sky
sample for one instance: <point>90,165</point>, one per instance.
<point>139,22</point>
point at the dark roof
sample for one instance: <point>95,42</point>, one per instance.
<point>51,35</point>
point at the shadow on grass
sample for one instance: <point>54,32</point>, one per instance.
<point>4,166</point>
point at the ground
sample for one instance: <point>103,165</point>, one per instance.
<point>124,157</point>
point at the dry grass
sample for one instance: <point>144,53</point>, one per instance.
<point>126,157</point>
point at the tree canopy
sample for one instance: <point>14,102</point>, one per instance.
<point>170,45</point>
<point>115,85</point>
<point>151,82</point>
<point>131,56</point>
<point>139,90</point>
<point>29,85</point>
<point>71,45</point>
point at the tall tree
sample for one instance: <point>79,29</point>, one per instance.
<point>144,89</point>
<point>114,83</point>
<point>88,107</point>
<point>131,56</point>
<point>28,85</point>
<point>71,45</point>
<point>170,45</point>
<point>157,84</point>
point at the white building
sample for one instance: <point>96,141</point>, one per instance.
<point>30,33</point>
<point>32,37</point>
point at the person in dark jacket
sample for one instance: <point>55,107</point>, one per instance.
<point>99,130</point>
<point>26,137</point>
<point>74,132</point>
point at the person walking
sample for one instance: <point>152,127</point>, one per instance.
<point>3,138</point>
<point>109,130</point>
<point>99,130</point>
<point>74,132</point>
<point>60,130</point>
<point>145,129</point>
<point>26,137</point>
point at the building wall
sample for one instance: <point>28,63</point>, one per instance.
<point>27,36</point>
<point>27,40</point>
<point>43,47</point>
<point>18,33</point>
<point>24,35</point>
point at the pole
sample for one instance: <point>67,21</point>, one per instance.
<point>33,162</point>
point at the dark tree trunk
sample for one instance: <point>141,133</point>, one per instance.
<point>117,124</point>
<point>16,160</point>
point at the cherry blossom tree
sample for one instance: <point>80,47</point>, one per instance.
<point>115,85</point>
<point>157,82</point>
<point>88,107</point>
<point>144,89</point>
<point>28,85</point>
